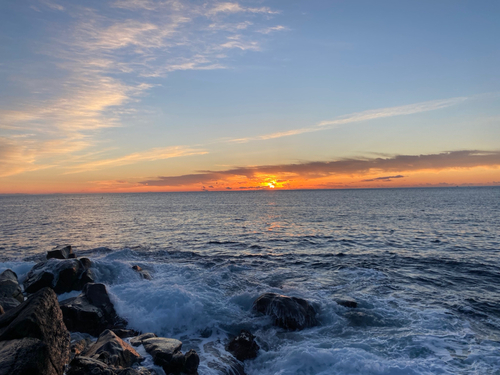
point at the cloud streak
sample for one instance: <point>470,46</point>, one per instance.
<point>359,117</point>
<point>342,167</point>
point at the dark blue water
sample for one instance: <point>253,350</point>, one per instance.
<point>422,263</point>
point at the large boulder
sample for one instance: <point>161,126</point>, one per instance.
<point>33,337</point>
<point>11,294</point>
<point>113,351</point>
<point>167,354</point>
<point>91,312</point>
<point>288,312</point>
<point>243,346</point>
<point>61,275</point>
<point>61,252</point>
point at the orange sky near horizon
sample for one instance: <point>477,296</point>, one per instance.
<point>478,176</point>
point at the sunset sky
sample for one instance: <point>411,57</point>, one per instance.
<point>143,95</point>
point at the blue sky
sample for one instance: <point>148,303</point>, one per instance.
<point>110,94</point>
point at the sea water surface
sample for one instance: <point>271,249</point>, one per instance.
<point>423,265</point>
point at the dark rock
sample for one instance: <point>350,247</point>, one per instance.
<point>88,366</point>
<point>60,252</point>
<point>61,275</point>
<point>124,333</point>
<point>78,347</point>
<point>223,364</point>
<point>243,346</point>
<point>1,310</point>
<point>347,302</point>
<point>91,312</point>
<point>191,363</point>
<point>136,341</point>
<point>117,352</point>
<point>166,353</point>
<point>9,286</point>
<point>86,262</point>
<point>34,330</point>
<point>25,357</point>
<point>143,273</point>
<point>9,303</point>
<point>288,312</point>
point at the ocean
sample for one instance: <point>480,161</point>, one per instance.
<point>423,265</point>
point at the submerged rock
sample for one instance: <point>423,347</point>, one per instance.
<point>33,337</point>
<point>288,312</point>
<point>61,252</point>
<point>143,273</point>
<point>91,312</point>
<point>243,346</point>
<point>223,364</point>
<point>347,302</point>
<point>61,275</point>
<point>113,351</point>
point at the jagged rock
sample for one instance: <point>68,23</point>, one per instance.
<point>243,346</point>
<point>91,312</point>
<point>61,275</point>
<point>9,286</point>
<point>9,303</point>
<point>78,347</point>
<point>88,366</point>
<point>347,302</point>
<point>143,273</point>
<point>288,312</point>
<point>33,337</point>
<point>224,364</point>
<point>136,341</point>
<point>113,351</point>
<point>125,333</point>
<point>61,252</point>
<point>166,353</point>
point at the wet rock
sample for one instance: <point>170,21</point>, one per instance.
<point>223,364</point>
<point>136,341</point>
<point>61,252</point>
<point>61,275</point>
<point>88,366</point>
<point>243,346</point>
<point>9,286</point>
<point>124,333</point>
<point>166,353</point>
<point>1,310</point>
<point>143,273</point>
<point>33,337</point>
<point>113,351</point>
<point>91,312</point>
<point>347,302</point>
<point>288,312</point>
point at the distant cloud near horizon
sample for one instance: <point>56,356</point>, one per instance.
<point>384,178</point>
<point>347,166</point>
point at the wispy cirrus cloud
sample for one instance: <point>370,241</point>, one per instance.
<point>105,58</point>
<point>148,155</point>
<point>342,167</point>
<point>358,117</point>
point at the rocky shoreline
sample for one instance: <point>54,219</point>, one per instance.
<point>85,335</point>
